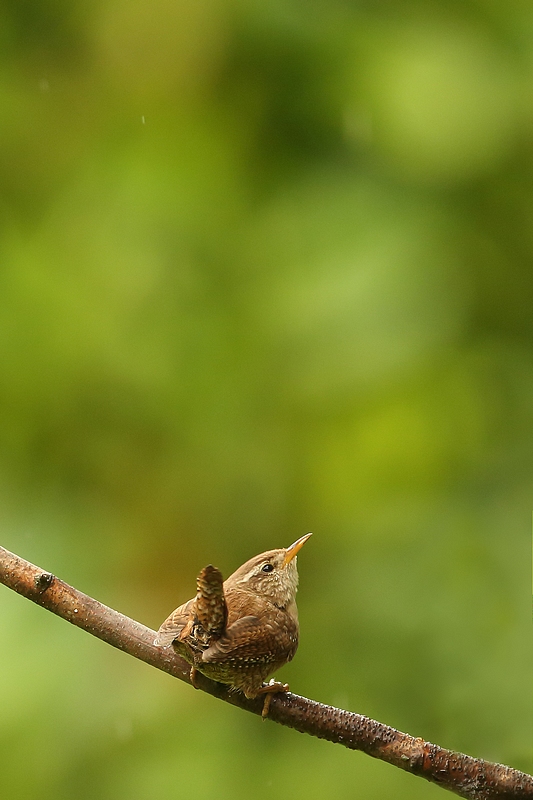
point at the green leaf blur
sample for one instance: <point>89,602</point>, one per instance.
<point>265,268</point>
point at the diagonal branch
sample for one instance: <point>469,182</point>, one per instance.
<point>465,776</point>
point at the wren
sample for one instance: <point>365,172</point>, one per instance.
<point>240,631</point>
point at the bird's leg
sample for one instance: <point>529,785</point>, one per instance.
<point>192,675</point>
<point>270,688</point>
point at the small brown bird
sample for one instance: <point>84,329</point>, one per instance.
<point>242,630</point>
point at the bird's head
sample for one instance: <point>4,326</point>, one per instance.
<point>273,574</point>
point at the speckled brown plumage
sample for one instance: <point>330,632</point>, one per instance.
<point>241,631</point>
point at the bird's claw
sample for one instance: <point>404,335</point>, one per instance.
<point>270,688</point>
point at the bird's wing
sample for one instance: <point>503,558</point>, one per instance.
<point>174,625</point>
<point>251,639</point>
<point>211,608</point>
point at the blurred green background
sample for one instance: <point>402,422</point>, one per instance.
<point>267,268</point>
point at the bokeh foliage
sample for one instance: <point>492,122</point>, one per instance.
<point>266,268</point>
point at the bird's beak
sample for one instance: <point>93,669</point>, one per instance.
<point>294,548</point>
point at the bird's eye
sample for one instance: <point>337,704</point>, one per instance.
<point>267,568</point>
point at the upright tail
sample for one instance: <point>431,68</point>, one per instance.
<point>211,608</point>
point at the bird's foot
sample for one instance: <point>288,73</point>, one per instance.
<point>192,675</point>
<point>270,688</point>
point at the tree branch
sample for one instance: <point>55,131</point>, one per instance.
<point>465,776</point>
